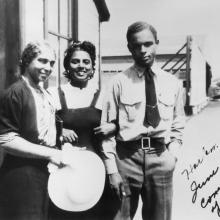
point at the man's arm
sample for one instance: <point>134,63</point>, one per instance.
<point>105,129</point>
<point>178,124</point>
<point>109,115</point>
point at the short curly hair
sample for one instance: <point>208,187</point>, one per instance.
<point>76,45</point>
<point>31,51</point>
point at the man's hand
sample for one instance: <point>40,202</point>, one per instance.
<point>69,136</point>
<point>116,183</point>
<point>174,149</point>
<point>105,129</point>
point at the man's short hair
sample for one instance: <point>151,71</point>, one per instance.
<point>139,26</point>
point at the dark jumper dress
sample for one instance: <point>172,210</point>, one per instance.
<point>82,121</point>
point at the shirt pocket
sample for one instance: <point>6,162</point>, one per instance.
<point>130,107</point>
<point>166,106</point>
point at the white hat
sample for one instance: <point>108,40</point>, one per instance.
<point>79,185</point>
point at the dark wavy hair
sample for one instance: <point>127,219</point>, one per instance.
<point>30,52</point>
<point>76,45</point>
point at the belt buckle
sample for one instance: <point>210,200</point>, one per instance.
<point>143,143</point>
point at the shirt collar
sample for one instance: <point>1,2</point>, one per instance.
<point>32,85</point>
<point>140,70</point>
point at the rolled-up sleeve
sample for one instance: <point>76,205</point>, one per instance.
<point>109,114</point>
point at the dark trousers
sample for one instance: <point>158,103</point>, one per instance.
<point>23,193</point>
<point>149,174</point>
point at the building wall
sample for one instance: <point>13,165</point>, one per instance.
<point>9,41</point>
<point>88,21</point>
<point>9,45</point>
<point>2,45</point>
<point>31,21</point>
<point>88,29</point>
<point>33,28</point>
<point>22,21</point>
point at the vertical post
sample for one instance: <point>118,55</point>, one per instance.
<point>58,38</point>
<point>188,108</point>
<point>45,18</point>
<point>3,41</point>
<point>12,32</point>
<point>99,56</point>
<point>45,27</point>
<point>69,19</point>
<point>75,17</point>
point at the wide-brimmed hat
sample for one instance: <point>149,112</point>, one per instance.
<point>78,185</point>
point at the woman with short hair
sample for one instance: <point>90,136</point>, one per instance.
<point>28,137</point>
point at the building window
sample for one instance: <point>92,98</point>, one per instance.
<point>58,22</point>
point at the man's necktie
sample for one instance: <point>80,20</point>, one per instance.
<point>152,116</point>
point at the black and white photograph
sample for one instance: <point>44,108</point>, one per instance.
<point>109,110</point>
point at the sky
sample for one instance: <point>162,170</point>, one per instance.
<point>173,19</point>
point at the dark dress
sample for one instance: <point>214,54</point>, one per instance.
<point>23,181</point>
<point>82,121</point>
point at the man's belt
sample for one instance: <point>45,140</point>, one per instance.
<point>145,143</point>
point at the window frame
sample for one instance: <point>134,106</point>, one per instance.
<point>72,18</point>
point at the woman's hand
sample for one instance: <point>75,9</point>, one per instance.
<point>105,130</point>
<point>69,136</point>
<point>56,158</point>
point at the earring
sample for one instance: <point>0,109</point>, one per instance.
<point>91,75</point>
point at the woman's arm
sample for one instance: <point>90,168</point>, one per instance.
<point>18,146</point>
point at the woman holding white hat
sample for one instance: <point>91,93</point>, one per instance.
<point>79,105</point>
<point>28,137</point>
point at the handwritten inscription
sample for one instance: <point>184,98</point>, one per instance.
<point>192,167</point>
<point>216,207</point>
<point>196,187</point>
<point>211,150</point>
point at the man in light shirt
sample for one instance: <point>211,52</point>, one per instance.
<point>146,103</point>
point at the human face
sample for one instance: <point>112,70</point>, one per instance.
<point>80,66</point>
<point>142,46</point>
<point>41,66</point>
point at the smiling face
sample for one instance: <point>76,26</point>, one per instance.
<point>80,67</point>
<point>41,66</point>
<point>142,46</point>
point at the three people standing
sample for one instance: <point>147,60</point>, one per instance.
<point>144,103</point>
